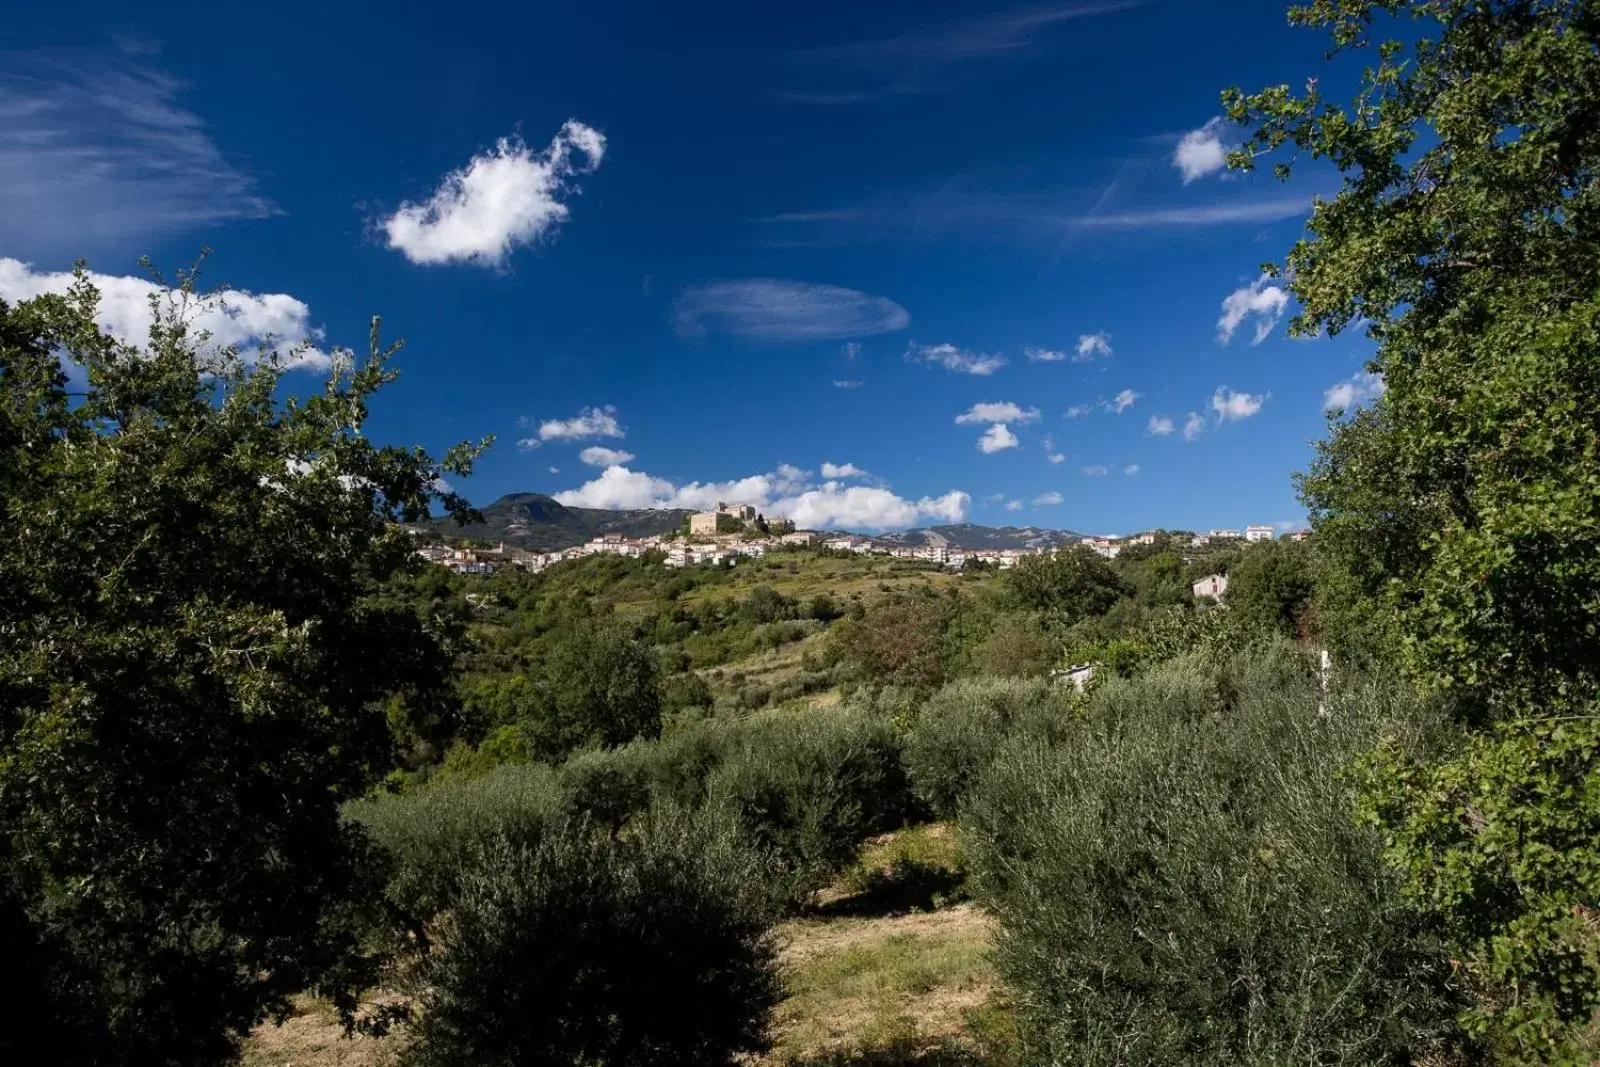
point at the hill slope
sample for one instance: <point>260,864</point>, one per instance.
<point>535,521</point>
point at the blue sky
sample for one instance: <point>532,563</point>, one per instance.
<point>870,265</point>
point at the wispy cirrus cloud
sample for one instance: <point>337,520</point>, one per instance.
<point>774,310</point>
<point>924,59</point>
<point>1047,500</point>
<point>1159,426</point>
<point>94,145</point>
<point>955,359</point>
<point>1193,426</point>
<point>508,196</point>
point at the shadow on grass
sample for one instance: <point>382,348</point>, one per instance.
<point>905,886</point>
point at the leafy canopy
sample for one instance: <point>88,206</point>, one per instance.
<point>191,677</point>
<point>1460,515</point>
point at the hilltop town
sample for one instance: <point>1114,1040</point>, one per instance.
<point>730,532</point>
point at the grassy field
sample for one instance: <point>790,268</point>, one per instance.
<point>891,967</point>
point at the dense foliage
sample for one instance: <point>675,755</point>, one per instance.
<point>1179,878</point>
<point>191,679</point>
<point>1460,516</point>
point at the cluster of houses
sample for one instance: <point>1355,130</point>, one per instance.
<point>722,536</point>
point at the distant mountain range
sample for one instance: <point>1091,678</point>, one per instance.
<point>536,522</point>
<point>969,535</point>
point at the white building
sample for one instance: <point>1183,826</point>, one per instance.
<point>1214,586</point>
<point>1224,534</point>
<point>1259,532</point>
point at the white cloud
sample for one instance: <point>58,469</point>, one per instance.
<point>1264,301</point>
<point>772,309</point>
<point>1360,388</point>
<point>950,357</point>
<point>851,349</point>
<point>1097,471</point>
<point>847,383</point>
<point>555,470</point>
<point>1201,152</point>
<point>589,422</point>
<point>997,438</point>
<point>1193,426</point>
<point>1132,468</point>
<point>1044,500</point>
<point>96,147</point>
<point>1159,425</point>
<point>1092,346</point>
<point>842,470</point>
<point>1056,458</point>
<point>1123,401</point>
<point>1013,505</point>
<point>232,317</point>
<point>1079,410</point>
<point>506,197</point>
<point>598,456</point>
<point>782,493</point>
<point>1043,355</point>
<point>997,411</point>
<point>1230,405</point>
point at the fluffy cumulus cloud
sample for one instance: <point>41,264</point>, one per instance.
<point>1261,301</point>
<point>776,310</point>
<point>1057,458</point>
<point>1193,426</point>
<point>997,411</point>
<point>598,456</point>
<point>842,470</point>
<point>1123,401</point>
<point>1130,469</point>
<point>1232,406</point>
<point>1353,392</point>
<point>1097,471</point>
<point>1044,355</point>
<point>588,423</point>
<point>784,493</point>
<point>1092,346</point>
<point>955,359</point>
<point>1077,411</point>
<point>232,317</point>
<point>1013,505</point>
<point>1160,426</point>
<point>508,196</point>
<point>997,438</point>
<point>1201,152</point>
<point>1045,500</point>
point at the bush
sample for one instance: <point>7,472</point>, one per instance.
<point>808,789</point>
<point>431,835</point>
<point>608,786</point>
<point>652,949</point>
<point>1179,885</point>
<point>963,725</point>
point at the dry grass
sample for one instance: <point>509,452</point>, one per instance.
<point>314,1037</point>
<point>895,981</point>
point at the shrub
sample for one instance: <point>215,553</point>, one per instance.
<point>607,786</point>
<point>808,789</point>
<point>963,725</point>
<point>1184,886</point>
<point>652,949</point>
<point>432,834</point>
